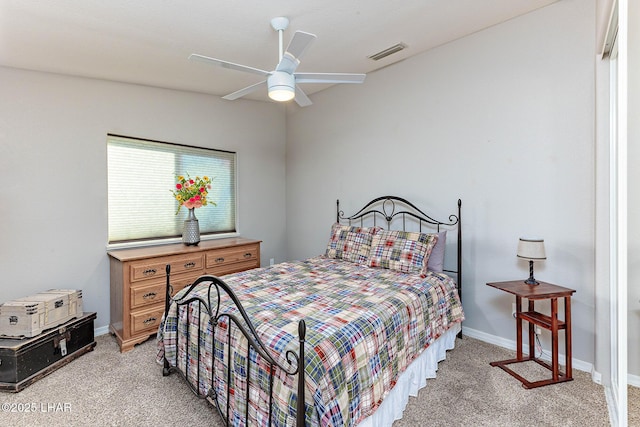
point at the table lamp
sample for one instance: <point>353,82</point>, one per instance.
<point>532,250</point>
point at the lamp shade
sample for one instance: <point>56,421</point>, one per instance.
<point>531,249</point>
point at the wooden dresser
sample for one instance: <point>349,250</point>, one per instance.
<point>138,279</point>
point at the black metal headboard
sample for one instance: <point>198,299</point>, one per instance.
<point>391,207</point>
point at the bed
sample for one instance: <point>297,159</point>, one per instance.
<point>340,339</point>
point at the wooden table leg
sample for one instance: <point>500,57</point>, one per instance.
<point>518,329</point>
<point>554,338</point>
<point>532,344</point>
<point>567,336</point>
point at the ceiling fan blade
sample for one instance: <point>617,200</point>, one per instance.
<point>301,98</point>
<point>227,64</point>
<point>299,43</point>
<point>297,46</point>
<point>329,78</point>
<point>242,92</point>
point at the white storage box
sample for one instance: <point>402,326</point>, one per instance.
<point>29,316</point>
<point>75,300</point>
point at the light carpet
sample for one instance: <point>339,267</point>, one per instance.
<point>109,388</point>
<point>633,406</point>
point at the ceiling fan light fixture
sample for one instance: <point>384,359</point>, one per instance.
<point>282,86</point>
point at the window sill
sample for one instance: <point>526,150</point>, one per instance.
<point>172,240</point>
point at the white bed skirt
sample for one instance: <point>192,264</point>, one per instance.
<point>412,380</point>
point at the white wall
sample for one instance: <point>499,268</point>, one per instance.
<point>503,119</point>
<point>53,196</point>
<point>603,327</point>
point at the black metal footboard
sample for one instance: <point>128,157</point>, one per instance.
<point>216,289</point>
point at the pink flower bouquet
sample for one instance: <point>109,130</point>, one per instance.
<point>192,193</point>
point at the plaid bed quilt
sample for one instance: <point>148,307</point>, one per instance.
<point>364,327</point>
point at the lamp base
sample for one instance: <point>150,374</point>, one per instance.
<point>531,280</point>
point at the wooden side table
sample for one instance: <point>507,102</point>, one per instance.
<point>543,291</point>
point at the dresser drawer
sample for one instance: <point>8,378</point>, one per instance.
<point>221,270</point>
<point>156,267</point>
<point>153,293</point>
<point>226,256</point>
<point>148,319</point>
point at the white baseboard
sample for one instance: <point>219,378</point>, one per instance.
<point>102,330</point>
<point>633,380</point>
<point>546,354</point>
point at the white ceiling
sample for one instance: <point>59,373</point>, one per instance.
<point>148,41</point>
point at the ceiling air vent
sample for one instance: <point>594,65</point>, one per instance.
<point>388,51</point>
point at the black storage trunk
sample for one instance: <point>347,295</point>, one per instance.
<point>24,361</point>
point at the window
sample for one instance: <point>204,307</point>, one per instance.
<point>141,175</point>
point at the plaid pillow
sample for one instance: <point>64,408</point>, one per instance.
<point>404,251</point>
<point>350,243</point>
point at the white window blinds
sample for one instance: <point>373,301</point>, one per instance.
<point>141,176</point>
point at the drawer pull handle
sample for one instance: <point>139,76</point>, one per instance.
<point>189,265</point>
<point>149,272</point>
<point>149,295</point>
<point>220,259</point>
<point>247,255</point>
<point>150,321</point>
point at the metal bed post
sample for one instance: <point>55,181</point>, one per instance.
<point>460,255</point>
<point>300,412</point>
<point>167,299</point>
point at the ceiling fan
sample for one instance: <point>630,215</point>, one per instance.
<point>282,83</point>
